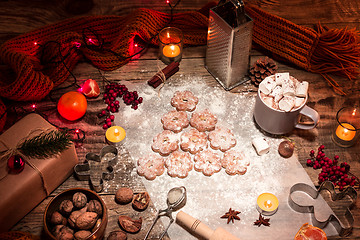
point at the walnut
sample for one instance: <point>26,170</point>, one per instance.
<point>79,199</point>
<point>62,232</point>
<point>141,201</point>
<point>124,195</point>
<point>57,219</point>
<point>82,235</point>
<point>286,149</point>
<point>95,206</point>
<point>86,220</point>
<point>130,225</point>
<point>66,207</point>
<point>72,218</point>
<point>117,235</point>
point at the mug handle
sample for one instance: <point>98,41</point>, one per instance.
<point>311,113</point>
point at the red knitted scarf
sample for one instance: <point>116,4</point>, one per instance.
<point>325,51</point>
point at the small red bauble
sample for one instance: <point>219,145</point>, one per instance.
<point>90,88</point>
<point>72,105</point>
<point>16,164</point>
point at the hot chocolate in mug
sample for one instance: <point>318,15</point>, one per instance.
<point>280,122</point>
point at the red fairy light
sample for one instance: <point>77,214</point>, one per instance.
<point>33,107</point>
<point>167,1</point>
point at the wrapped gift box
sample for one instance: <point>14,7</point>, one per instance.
<point>21,192</point>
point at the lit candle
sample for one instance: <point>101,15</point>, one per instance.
<point>171,50</point>
<point>115,134</point>
<point>267,204</point>
<point>346,132</point>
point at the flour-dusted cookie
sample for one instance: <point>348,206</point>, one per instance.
<point>222,138</point>
<point>203,121</point>
<point>179,164</point>
<point>234,162</point>
<point>207,162</point>
<point>193,141</point>
<point>184,101</point>
<point>165,143</point>
<point>151,166</point>
<point>175,121</point>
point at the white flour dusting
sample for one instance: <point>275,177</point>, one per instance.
<point>208,198</point>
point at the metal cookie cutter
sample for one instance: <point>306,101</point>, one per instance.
<point>97,168</point>
<point>340,204</point>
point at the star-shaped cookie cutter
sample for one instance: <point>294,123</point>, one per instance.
<point>340,204</point>
<point>97,168</point>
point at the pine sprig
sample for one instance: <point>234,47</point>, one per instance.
<point>45,144</point>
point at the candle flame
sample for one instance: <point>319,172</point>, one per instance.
<point>116,132</point>
<point>354,112</point>
<point>268,204</point>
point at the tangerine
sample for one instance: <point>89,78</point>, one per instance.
<point>72,105</point>
<point>309,232</point>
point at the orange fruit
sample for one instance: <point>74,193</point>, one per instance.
<point>72,105</point>
<point>309,232</point>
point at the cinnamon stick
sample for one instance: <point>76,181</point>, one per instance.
<point>168,71</point>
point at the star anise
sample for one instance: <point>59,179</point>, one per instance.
<point>263,221</point>
<point>231,215</point>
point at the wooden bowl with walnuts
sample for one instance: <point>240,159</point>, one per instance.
<point>76,213</point>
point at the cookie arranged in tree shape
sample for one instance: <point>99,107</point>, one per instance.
<point>222,138</point>
<point>165,143</point>
<point>207,162</point>
<point>234,162</point>
<point>203,121</point>
<point>151,166</point>
<point>179,164</point>
<point>184,101</point>
<point>193,141</point>
<point>175,121</point>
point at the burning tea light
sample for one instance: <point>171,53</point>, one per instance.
<point>170,45</point>
<point>115,134</point>
<point>267,204</point>
<point>347,127</point>
<point>345,132</point>
<point>171,51</point>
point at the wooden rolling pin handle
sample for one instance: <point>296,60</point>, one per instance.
<point>202,230</point>
<point>194,225</point>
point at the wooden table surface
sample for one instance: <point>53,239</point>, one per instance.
<point>17,17</point>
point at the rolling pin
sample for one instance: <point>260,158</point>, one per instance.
<point>202,230</point>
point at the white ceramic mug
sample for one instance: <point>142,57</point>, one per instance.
<point>280,122</point>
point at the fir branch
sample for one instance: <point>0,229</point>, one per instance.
<point>45,144</point>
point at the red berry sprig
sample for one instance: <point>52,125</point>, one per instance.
<point>339,175</point>
<point>113,91</point>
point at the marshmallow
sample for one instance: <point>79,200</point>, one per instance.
<point>302,89</point>
<point>299,101</point>
<point>287,103</point>
<point>267,85</point>
<point>288,89</point>
<point>280,78</point>
<point>277,93</point>
<point>260,145</point>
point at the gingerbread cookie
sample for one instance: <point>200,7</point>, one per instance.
<point>207,162</point>
<point>222,138</point>
<point>193,141</point>
<point>234,162</point>
<point>165,143</point>
<point>151,166</point>
<point>184,101</point>
<point>175,121</point>
<point>203,121</point>
<point>179,164</point>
